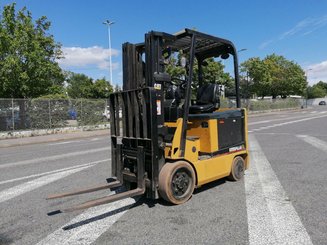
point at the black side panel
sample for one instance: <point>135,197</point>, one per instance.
<point>231,131</point>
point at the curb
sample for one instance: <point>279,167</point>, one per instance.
<point>42,132</point>
<point>39,140</point>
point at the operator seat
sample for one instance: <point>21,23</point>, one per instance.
<point>207,99</point>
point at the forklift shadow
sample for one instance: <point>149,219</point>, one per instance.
<point>139,202</point>
<point>209,186</point>
<point>99,217</point>
<point>152,203</point>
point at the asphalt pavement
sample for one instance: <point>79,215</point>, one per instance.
<point>282,199</point>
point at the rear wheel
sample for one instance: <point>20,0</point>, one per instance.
<point>176,182</point>
<point>237,171</point>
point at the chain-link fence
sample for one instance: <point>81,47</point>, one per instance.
<point>272,104</point>
<point>264,104</point>
<point>19,114</point>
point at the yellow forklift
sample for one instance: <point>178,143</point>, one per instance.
<point>163,142</point>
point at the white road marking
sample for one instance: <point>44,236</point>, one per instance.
<point>272,218</point>
<point>52,172</point>
<point>274,134</point>
<point>94,139</point>
<point>66,142</point>
<point>279,119</point>
<point>37,183</point>
<point>286,123</point>
<point>52,158</point>
<point>322,145</point>
<point>265,121</point>
<point>88,226</point>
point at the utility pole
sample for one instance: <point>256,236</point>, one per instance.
<point>108,23</point>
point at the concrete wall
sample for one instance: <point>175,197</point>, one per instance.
<point>314,102</point>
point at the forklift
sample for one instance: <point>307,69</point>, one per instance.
<point>165,139</point>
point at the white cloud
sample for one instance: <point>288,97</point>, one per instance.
<point>303,27</point>
<point>265,44</point>
<point>77,57</point>
<point>303,24</point>
<point>317,72</point>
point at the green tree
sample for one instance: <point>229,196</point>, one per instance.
<point>316,91</point>
<point>102,88</point>
<point>28,55</point>
<point>275,76</point>
<point>213,72</point>
<point>79,86</point>
<point>322,85</point>
<point>82,86</point>
<point>258,77</point>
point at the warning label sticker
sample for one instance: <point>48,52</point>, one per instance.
<point>158,107</point>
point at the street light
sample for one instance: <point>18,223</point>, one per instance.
<point>108,23</point>
<point>306,77</point>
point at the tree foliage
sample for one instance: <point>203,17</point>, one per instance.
<point>82,86</point>
<point>28,55</point>
<point>318,90</point>
<point>274,76</point>
<point>212,72</point>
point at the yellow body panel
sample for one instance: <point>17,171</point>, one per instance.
<point>214,168</point>
<point>204,139</point>
<point>208,136</point>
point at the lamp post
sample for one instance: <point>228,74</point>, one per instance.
<point>108,23</point>
<point>307,94</point>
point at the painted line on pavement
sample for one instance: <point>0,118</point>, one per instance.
<point>66,142</point>
<point>322,145</point>
<point>272,218</point>
<point>52,172</point>
<point>52,158</point>
<point>284,118</point>
<point>286,123</point>
<point>37,183</point>
<point>87,227</point>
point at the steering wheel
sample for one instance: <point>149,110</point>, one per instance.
<point>182,84</point>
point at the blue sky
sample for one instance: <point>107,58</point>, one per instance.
<point>296,29</point>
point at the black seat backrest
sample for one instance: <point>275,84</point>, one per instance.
<point>208,94</point>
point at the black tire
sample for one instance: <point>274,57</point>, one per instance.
<point>176,182</point>
<point>237,170</point>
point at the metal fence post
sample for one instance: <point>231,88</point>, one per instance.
<point>81,110</point>
<point>49,101</point>
<point>12,114</point>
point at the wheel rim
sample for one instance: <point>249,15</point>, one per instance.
<point>181,183</point>
<point>239,169</point>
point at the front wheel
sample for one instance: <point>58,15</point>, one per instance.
<point>238,167</point>
<point>176,182</point>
